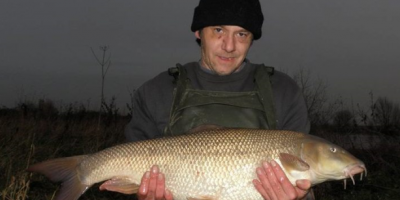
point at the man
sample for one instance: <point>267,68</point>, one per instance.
<point>224,89</point>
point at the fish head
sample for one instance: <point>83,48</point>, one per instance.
<point>328,161</point>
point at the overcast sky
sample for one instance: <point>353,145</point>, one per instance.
<point>353,45</point>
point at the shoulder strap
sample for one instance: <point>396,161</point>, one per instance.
<point>181,82</point>
<point>180,75</point>
<point>174,71</point>
<point>263,82</point>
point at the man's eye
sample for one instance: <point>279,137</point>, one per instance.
<point>218,30</point>
<point>243,34</point>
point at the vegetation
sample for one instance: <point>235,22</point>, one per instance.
<point>372,135</point>
<point>34,132</point>
<point>105,64</point>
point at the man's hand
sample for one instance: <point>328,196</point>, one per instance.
<point>152,186</point>
<point>273,183</point>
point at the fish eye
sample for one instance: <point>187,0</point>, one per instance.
<point>333,149</point>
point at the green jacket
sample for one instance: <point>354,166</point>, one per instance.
<point>153,101</point>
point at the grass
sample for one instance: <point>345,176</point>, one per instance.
<point>30,137</point>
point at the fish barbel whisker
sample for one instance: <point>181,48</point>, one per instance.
<point>351,170</point>
<point>362,173</point>
<point>352,179</point>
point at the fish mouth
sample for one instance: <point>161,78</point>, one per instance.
<point>351,170</point>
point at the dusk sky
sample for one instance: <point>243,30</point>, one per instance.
<point>353,45</point>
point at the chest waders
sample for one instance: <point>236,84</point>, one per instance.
<point>193,107</point>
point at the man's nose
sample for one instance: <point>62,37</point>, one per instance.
<point>228,43</point>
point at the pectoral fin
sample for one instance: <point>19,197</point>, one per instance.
<point>291,162</point>
<point>120,184</point>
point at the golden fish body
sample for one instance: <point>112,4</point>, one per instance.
<point>212,164</point>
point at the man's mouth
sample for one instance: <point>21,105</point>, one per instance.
<point>226,58</point>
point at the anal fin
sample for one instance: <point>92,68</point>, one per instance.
<point>202,198</point>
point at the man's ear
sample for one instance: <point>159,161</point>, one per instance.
<point>197,34</point>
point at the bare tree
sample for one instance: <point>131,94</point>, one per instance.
<point>131,104</point>
<point>315,96</point>
<point>386,114</point>
<point>343,119</point>
<point>105,64</point>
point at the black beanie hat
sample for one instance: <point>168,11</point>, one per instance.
<point>244,13</point>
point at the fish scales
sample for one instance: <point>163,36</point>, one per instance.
<point>215,164</point>
<point>206,163</point>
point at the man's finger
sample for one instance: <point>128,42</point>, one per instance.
<point>160,187</point>
<point>285,188</point>
<point>144,186</point>
<point>153,182</point>
<point>302,187</point>
<point>259,187</point>
<point>264,186</point>
<point>168,195</point>
<point>275,184</point>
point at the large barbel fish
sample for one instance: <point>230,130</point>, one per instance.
<point>208,164</point>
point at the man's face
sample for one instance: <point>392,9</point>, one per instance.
<point>223,48</point>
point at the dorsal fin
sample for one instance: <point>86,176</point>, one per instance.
<point>204,127</point>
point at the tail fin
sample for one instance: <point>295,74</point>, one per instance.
<point>63,170</point>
